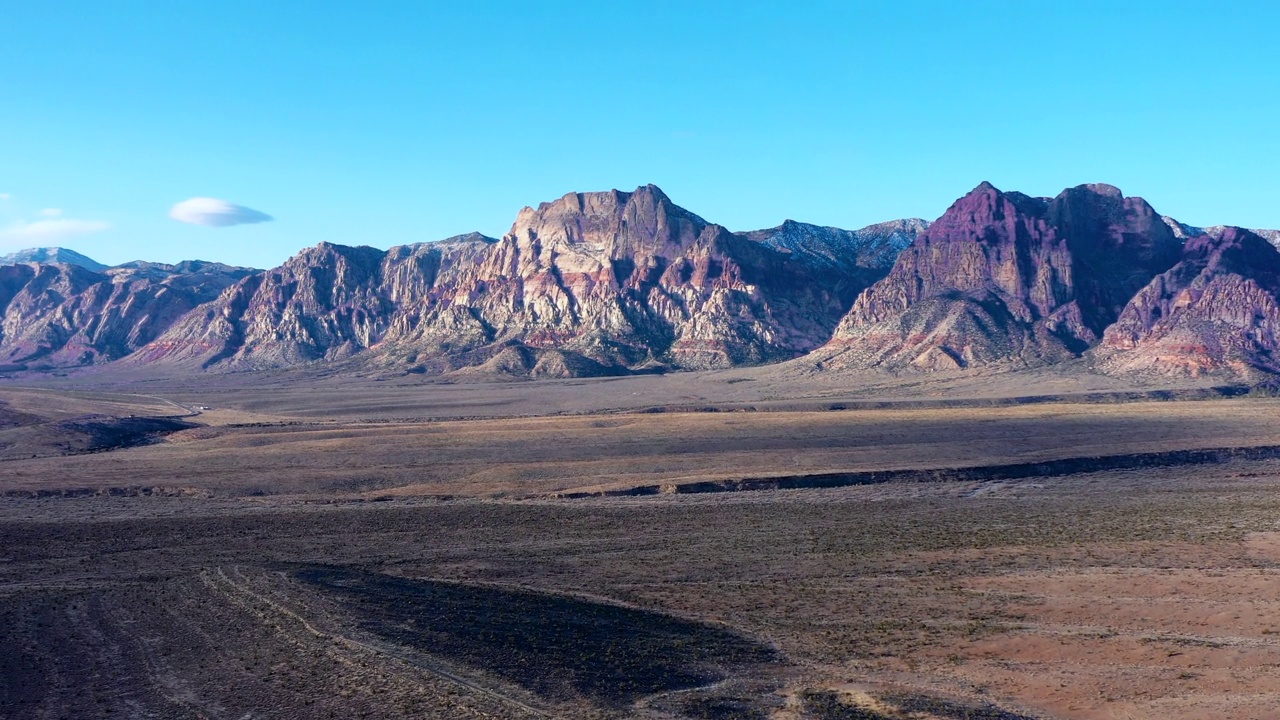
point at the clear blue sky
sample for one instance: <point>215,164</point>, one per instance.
<point>384,123</point>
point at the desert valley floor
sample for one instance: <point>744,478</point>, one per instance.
<point>699,545</point>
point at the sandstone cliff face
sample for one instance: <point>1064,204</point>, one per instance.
<point>591,283</point>
<point>1216,311</point>
<point>59,315</point>
<point>1003,278</point>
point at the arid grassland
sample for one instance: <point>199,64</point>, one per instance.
<point>232,560</point>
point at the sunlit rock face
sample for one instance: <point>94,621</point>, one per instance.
<point>591,283</point>
<point>1216,311</point>
<point>1004,279</point>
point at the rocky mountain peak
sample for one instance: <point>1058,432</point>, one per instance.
<point>1005,278</point>
<point>344,262</point>
<point>614,223</point>
<point>867,253</point>
<point>910,226</point>
<point>1089,207</point>
<point>1102,189</point>
<point>324,248</point>
<point>986,206</point>
<point>466,239</point>
<point>52,255</point>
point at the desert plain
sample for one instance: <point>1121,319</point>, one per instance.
<point>699,545</point>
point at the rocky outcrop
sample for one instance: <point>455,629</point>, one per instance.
<point>591,283</point>
<point>60,315</point>
<point>1006,279</point>
<point>1216,311</point>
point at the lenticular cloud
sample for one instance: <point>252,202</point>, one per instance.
<point>212,212</point>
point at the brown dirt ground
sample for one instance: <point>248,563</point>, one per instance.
<point>1149,593</point>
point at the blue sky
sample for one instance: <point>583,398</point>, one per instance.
<point>409,122</point>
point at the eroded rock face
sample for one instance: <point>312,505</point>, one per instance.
<point>1217,310</point>
<point>591,283</point>
<point>60,315</point>
<point>1003,278</point>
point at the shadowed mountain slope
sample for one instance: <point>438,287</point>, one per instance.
<point>1218,309</point>
<point>1007,279</point>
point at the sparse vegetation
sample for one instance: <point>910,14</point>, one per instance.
<point>986,595</point>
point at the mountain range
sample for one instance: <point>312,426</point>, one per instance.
<point>623,282</point>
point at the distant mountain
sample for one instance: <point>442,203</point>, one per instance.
<point>52,255</point>
<point>1185,232</point>
<point>872,248</point>
<point>589,284</point>
<point>1217,309</point>
<point>59,315</point>
<point>1271,236</point>
<point>1007,279</point>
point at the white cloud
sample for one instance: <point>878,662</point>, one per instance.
<point>51,212</point>
<point>5,196</point>
<point>212,212</point>
<point>49,232</point>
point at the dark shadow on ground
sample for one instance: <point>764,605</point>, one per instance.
<point>556,646</point>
